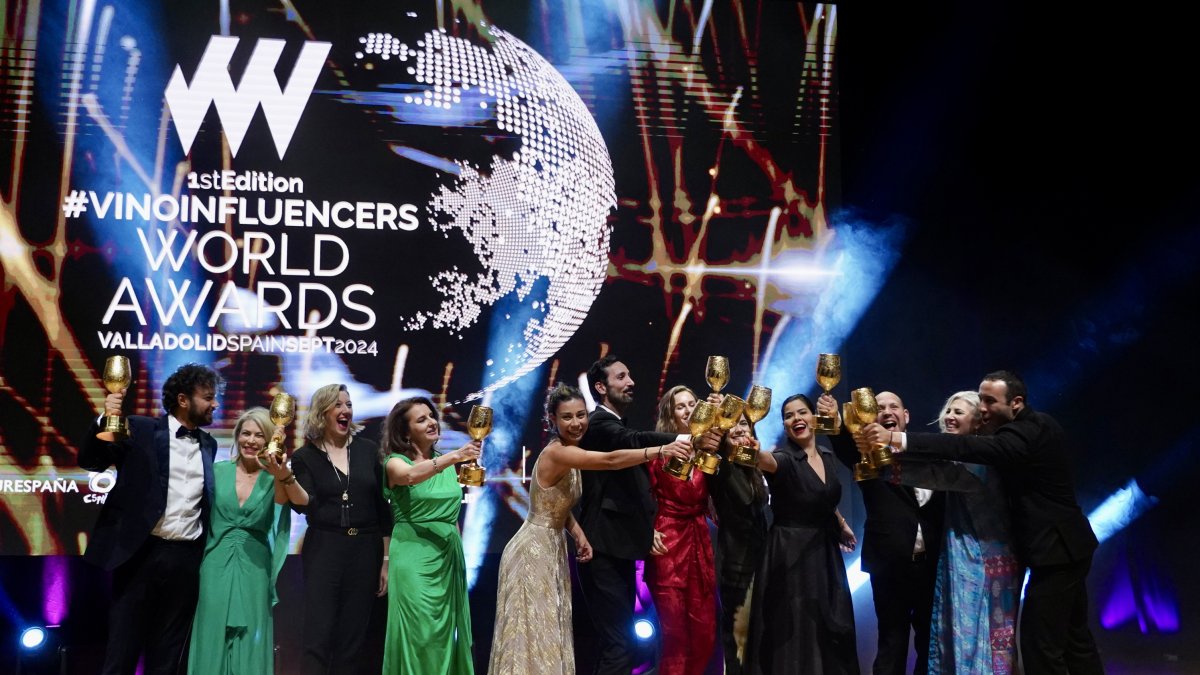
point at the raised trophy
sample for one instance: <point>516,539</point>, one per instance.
<point>864,469</point>
<point>479,425</point>
<point>728,414</point>
<point>716,372</point>
<point>282,412</point>
<point>829,373</point>
<point>704,415</point>
<point>116,377</point>
<point>758,404</point>
<point>868,410</point>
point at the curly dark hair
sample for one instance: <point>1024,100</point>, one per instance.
<point>185,380</point>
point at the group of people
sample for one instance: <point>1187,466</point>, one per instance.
<point>195,545</point>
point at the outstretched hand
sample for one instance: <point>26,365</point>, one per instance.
<point>678,449</point>
<point>276,465</point>
<point>469,451</point>
<point>112,403</point>
<point>875,434</point>
<point>827,406</point>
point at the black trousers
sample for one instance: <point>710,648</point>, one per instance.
<point>903,602</point>
<point>1055,637</point>
<point>341,576</point>
<point>153,601</point>
<point>609,585</point>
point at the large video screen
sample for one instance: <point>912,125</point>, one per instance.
<point>465,200</point>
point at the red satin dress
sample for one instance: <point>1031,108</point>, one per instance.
<point>683,580</point>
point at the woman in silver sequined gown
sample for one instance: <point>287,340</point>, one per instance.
<point>533,604</point>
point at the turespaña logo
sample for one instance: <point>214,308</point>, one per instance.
<point>236,105</point>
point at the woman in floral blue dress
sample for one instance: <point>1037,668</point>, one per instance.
<point>978,578</point>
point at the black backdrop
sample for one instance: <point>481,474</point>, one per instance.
<point>1042,160</point>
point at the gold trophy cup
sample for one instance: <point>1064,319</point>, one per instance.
<point>829,373</point>
<point>868,410</point>
<point>758,404</point>
<point>727,415</point>
<point>282,412</point>
<point>716,372</point>
<point>864,470</point>
<point>704,415</point>
<point>479,425</point>
<point>116,377</point>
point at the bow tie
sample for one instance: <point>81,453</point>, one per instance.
<point>184,432</point>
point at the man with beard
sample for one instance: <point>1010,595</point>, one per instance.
<point>1054,538</point>
<point>150,533</point>
<point>901,542</point>
<point>616,511</point>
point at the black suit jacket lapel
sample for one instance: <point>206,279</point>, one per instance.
<point>208,450</point>
<point>162,452</point>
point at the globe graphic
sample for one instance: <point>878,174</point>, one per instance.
<point>533,207</point>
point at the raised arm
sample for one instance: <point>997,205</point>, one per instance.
<point>98,455</point>
<point>287,488</point>
<point>556,458</point>
<point>1012,444</point>
<point>606,433</point>
<point>403,473</point>
<point>920,471</point>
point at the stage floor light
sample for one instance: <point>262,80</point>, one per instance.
<point>643,628</point>
<point>33,638</point>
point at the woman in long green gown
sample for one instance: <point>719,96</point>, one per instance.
<point>247,541</point>
<point>429,620</point>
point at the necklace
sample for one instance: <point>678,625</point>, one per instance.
<point>344,519</point>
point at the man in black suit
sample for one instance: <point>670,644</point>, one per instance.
<point>617,514</point>
<point>901,542</point>
<point>1054,538</point>
<point>150,533</point>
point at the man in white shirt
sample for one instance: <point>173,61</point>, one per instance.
<point>150,533</point>
<point>901,542</point>
<point>616,510</point>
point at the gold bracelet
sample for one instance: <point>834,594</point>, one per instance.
<point>435,466</point>
<point>289,480</point>
<point>660,451</point>
<point>646,454</point>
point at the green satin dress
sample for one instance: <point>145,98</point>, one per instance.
<point>429,619</point>
<point>233,630</point>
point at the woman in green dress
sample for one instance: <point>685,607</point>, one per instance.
<point>246,544</point>
<point>429,620</point>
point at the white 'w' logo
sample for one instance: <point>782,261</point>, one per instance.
<point>235,107</point>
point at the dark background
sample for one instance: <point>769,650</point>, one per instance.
<point>1042,161</point>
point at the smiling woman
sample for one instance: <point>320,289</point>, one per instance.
<point>344,567</point>
<point>533,603</point>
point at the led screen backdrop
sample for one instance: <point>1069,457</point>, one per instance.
<point>466,200</point>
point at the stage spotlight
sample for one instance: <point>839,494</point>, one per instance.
<point>33,638</point>
<point>643,628</point>
<point>39,651</point>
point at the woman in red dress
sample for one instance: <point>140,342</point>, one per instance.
<point>680,571</point>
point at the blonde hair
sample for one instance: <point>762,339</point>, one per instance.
<point>666,409</point>
<point>970,398</point>
<point>322,400</point>
<point>260,416</point>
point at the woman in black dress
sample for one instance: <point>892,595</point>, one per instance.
<point>349,527</point>
<point>801,614</point>
<point>739,499</point>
